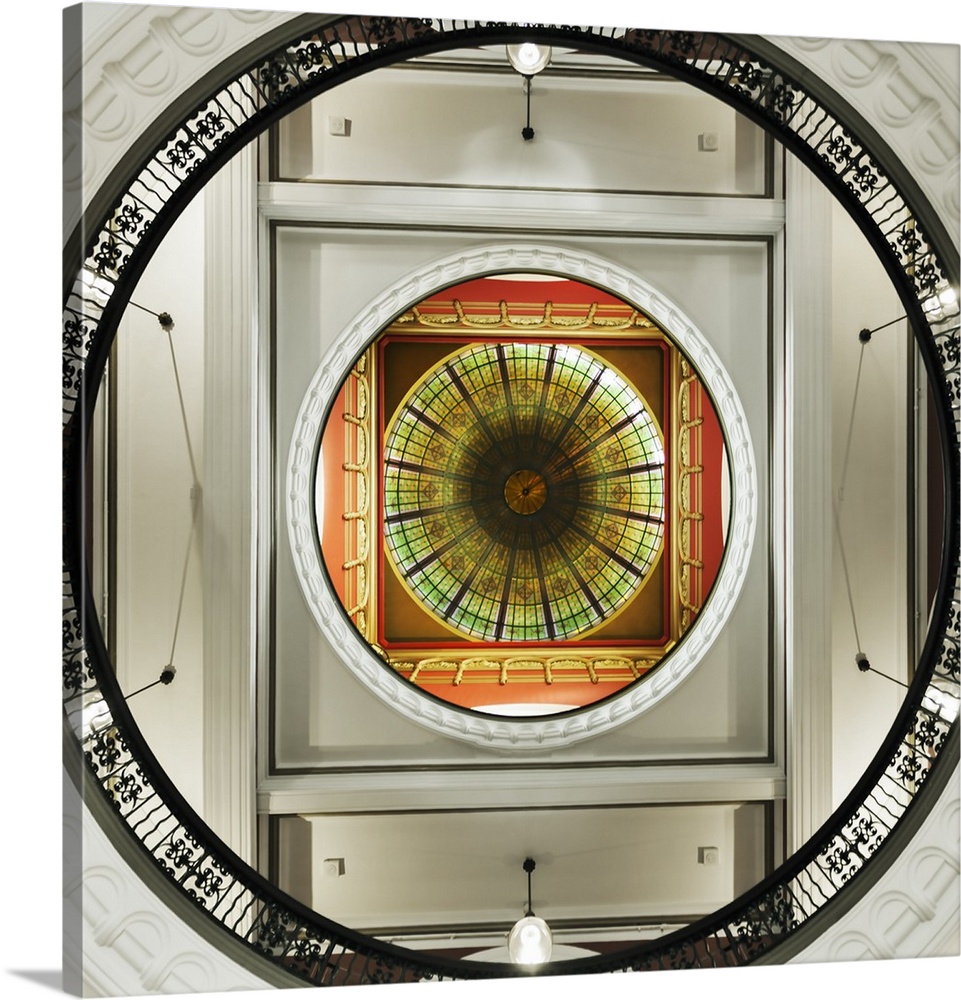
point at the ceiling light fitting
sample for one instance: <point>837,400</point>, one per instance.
<point>530,940</point>
<point>528,59</point>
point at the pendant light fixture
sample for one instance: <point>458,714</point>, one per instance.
<point>528,59</point>
<point>530,941</point>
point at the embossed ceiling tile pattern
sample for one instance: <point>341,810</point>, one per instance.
<point>523,491</point>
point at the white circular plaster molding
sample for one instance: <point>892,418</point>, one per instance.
<point>503,733</point>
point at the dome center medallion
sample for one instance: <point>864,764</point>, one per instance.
<point>525,491</point>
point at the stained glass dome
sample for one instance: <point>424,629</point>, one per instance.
<point>524,491</point>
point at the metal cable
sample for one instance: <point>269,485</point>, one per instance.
<point>834,502</point>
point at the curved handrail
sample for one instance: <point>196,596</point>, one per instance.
<point>898,223</point>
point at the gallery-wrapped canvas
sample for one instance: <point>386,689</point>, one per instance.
<point>510,499</point>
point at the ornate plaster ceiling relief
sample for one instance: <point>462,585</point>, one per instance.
<point>862,64</point>
<point>135,65</point>
<point>505,498</point>
<point>909,98</point>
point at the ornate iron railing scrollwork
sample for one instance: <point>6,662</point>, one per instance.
<point>898,223</point>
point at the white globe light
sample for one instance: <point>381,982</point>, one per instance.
<point>528,58</point>
<point>527,55</point>
<point>530,941</point>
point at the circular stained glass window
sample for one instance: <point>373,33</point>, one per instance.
<point>524,491</point>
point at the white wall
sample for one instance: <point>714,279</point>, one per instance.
<point>155,507</point>
<point>593,133</point>
<point>465,867</point>
<point>871,514</point>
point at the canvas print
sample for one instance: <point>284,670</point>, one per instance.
<point>510,499</point>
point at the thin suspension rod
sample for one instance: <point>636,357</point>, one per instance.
<point>834,501</point>
<point>527,132</point>
<point>529,867</point>
<point>865,335</point>
<point>180,396</point>
<point>166,676</point>
<point>183,578</point>
<point>166,324</point>
<point>137,305</point>
<point>863,665</point>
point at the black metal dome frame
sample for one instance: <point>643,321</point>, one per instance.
<point>125,222</point>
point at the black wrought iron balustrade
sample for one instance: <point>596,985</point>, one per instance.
<point>99,276</point>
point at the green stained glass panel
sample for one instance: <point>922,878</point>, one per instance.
<point>523,491</point>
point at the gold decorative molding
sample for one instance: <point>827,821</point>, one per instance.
<point>592,319</point>
<point>689,507</point>
<point>448,667</point>
<point>358,564</point>
<point>451,669</point>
